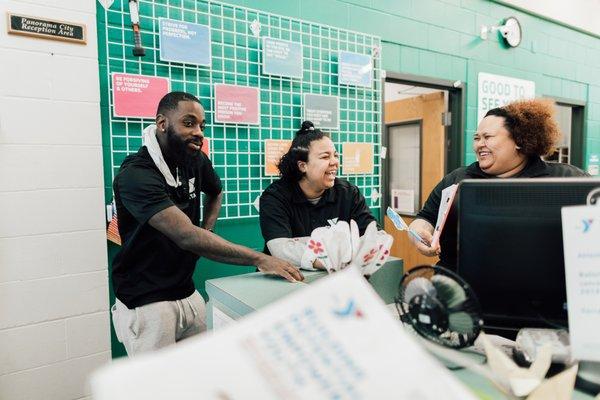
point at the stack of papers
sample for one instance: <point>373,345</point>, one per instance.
<point>445,205</point>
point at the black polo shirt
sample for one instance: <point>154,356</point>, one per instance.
<point>150,267</point>
<point>535,168</point>
<point>285,211</point>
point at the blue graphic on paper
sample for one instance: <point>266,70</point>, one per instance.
<point>282,58</point>
<point>184,42</point>
<point>586,224</point>
<point>354,69</point>
<point>349,310</point>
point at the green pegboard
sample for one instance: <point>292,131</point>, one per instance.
<point>237,150</point>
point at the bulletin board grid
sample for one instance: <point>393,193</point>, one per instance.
<point>237,150</point>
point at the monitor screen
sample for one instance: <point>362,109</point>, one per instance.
<point>510,247</point>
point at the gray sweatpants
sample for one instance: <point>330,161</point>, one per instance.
<point>159,324</point>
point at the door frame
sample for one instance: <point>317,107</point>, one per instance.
<point>385,165</point>
<point>577,147</point>
<point>456,105</point>
<point>454,134</point>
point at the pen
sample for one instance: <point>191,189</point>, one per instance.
<point>402,226</point>
<point>418,237</point>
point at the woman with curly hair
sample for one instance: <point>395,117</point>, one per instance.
<point>509,143</point>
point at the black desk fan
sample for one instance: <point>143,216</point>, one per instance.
<point>440,306</point>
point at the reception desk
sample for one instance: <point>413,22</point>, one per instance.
<point>233,297</point>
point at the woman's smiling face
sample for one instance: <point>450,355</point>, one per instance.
<point>496,151</point>
<point>323,162</point>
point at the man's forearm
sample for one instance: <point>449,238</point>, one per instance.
<point>212,206</point>
<point>207,244</point>
<point>173,223</point>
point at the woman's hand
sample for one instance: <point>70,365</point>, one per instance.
<point>318,265</point>
<point>425,230</point>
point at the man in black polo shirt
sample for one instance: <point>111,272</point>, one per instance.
<point>157,193</point>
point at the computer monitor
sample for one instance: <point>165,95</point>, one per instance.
<point>510,247</point>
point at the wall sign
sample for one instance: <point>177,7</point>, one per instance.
<point>137,95</point>
<point>497,91</point>
<point>206,146</point>
<point>237,104</point>
<point>323,111</point>
<point>354,69</point>
<point>281,58</point>
<point>46,28</point>
<point>274,150</point>
<point>357,158</point>
<point>184,42</point>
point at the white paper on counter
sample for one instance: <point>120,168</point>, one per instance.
<point>334,337</point>
<point>581,242</point>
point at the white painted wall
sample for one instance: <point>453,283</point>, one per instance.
<point>54,322</point>
<point>580,14</point>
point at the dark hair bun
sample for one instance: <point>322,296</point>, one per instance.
<point>288,165</point>
<point>306,127</point>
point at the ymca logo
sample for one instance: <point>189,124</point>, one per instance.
<point>192,190</point>
<point>585,225</point>
<point>350,310</point>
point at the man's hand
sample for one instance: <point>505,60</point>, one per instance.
<point>275,266</point>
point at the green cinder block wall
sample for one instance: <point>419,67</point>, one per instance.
<point>438,39</point>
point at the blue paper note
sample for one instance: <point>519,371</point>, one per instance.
<point>403,226</point>
<point>282,58</point>
<point>184,42</point>
<point>354,69</point>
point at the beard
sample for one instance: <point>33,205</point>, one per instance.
<point>179,150</point>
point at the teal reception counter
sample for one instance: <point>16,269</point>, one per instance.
<point>233,297</point>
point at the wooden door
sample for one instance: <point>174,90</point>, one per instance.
<point>426,109</point>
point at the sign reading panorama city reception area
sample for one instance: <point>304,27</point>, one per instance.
<point>46,28</point>
<point>497,91</point>
<point>322,110</point>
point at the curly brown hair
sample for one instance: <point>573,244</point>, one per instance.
<point>531,124</point>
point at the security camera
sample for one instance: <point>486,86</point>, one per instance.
<point>510,30</point>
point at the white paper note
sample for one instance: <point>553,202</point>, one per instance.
<point>333,339</point>
<point>581,242</point>
<point>403,200</point>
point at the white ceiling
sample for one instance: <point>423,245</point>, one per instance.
<point>397,91</point>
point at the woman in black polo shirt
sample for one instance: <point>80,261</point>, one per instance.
<point>307,195</point>
<point>509,143</point>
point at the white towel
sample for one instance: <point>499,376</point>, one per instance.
<point>149,140</point>
<point>338,246</point>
